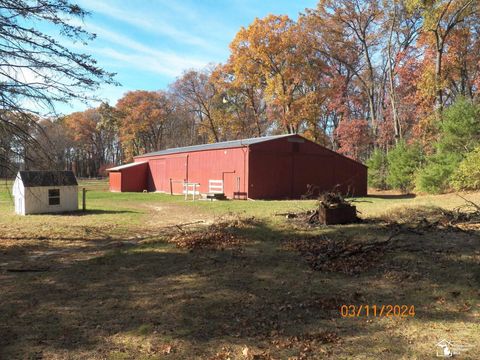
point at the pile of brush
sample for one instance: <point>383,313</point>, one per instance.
<point>332,200</point>
<point>226,234</point>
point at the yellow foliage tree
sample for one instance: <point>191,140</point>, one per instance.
<point>266,53</point>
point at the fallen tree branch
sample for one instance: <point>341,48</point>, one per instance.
<point>476,206</point>
<point>179,226</point>
<point>313,217</point>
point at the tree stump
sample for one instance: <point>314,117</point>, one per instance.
<point>341,214</point>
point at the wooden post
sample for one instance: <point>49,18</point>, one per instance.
<point>84,199</point>
<point>171,187</point>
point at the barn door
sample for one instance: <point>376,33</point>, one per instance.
<point>158,174</point>
<point>229,184</point>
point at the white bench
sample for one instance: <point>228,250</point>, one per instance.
<point>215,187</point>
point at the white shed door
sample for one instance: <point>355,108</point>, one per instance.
<point>19,205</point>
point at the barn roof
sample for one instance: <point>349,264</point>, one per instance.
<point>218,145</point>
<point>121,167</point>
<point>47,178</point>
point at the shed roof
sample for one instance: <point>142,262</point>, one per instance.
<point>121,167</point>
<point>47,178</point>
<point>218,145</point>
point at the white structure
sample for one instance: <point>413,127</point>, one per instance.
<point>38,192</point>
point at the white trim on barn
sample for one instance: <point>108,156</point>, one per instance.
<point>121,167</point>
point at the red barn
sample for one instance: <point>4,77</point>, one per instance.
<point>272,167</point>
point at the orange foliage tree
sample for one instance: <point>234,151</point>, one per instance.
<point>143,119</point>
<point>266,53</point>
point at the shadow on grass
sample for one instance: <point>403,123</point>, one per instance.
<point>87,212</point>
<point>101,212</point>
<point>254,295</point>
<point>392,197</point>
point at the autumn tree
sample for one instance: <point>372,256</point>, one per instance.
<point>401,29</point>
<point>51,134</point>
<point>348,32</point>
<point>92,141</point>
<point>267,53</point>
<point>354,138</point>
<point>144,115</point>
<point>461,62</point>
<point>109,126</point>
<point>243,102</point>
<point>199,94</point>
<point>440,19</point>
<point>330,95</point>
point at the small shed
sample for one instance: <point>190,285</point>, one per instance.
<point>38,192</point>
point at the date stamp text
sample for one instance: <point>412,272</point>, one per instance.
<point>374,310</point>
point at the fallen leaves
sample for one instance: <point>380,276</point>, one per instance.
<point>167,349</point>
<point>307,340</point>
<point>307,344</point>
<point>304,346</point>
<point>251,354</point>
<point>325,254</point>
<point>225,354</point>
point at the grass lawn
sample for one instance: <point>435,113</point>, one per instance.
<point>111,284</point>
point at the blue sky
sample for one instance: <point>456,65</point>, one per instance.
<point>149,43</point>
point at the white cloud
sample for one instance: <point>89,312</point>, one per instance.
<point>165,64</point>
<point>147,23</point>
<point>141,56</point>
<point>108,93</point>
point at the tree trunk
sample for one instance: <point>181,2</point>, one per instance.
<point>251,95</point>
<point>212,127</point>
<point>370,84</point>
<point>438,87</point>
<point>371,106</point>
<point>393,98</point>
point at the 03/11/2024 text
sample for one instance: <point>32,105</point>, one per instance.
<point>350,311</point>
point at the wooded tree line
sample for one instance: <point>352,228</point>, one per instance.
<point>362,77</point>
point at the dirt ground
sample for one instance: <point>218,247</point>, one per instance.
<point>230,287</point>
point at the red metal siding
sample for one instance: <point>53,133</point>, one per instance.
<point>115,179</point>
<point>134,178</point>
<point>279,168</point>
<point>130,179</point>
<point>199,167</point>
<point>282,169</point>
<point>156,169</point>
